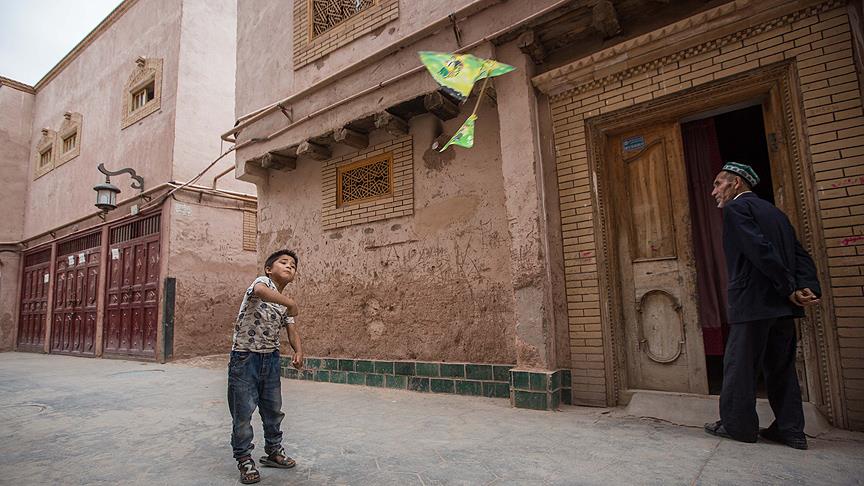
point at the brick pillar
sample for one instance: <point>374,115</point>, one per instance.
<point>531,203</point>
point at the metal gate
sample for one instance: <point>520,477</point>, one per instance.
<point>75,292</point>
<point>34,301</point>
<point>132,293</point>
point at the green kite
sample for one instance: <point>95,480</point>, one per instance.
<point>457,73</point>
<point>464,137</point>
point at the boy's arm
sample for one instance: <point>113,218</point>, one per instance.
<point>267,294</point>
<point>294,339</point>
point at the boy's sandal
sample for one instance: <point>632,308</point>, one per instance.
<point>278,459</point>
<point>248,472</point>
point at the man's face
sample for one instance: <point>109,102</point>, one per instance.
<point>284,269</point>
<point>726,187</point>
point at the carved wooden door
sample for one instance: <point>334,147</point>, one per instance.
<point>34,301</point>
<point>77,269</point>
<point>656,271</point>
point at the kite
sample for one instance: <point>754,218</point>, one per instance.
<point>457,73</point>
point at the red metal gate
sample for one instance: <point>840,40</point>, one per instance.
<point>75,291</point>
<point>34,301</point>
<point>132,293</point>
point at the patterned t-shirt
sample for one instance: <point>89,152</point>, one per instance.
<point>259,323</point>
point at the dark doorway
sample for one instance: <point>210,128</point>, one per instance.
<point>737,135</point>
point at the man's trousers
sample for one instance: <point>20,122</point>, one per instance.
<point>769,344</point>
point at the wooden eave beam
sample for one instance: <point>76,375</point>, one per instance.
<point>394,125</point>
<point>605,19</point>
<point>351,138</point>
<point>313,150</point>
<point>440,105</point>
<point>531,46</point>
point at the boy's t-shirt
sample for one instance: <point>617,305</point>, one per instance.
<point>259,323</point>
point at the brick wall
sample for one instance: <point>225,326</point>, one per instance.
<point>307,49</point>
<point>819,40</point>
<point>400,203</point>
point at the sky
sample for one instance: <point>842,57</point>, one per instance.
<point>36,34</point>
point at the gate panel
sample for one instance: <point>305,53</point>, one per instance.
<point>77,269</point>
<point>34,301</point>
<point>132,292</point>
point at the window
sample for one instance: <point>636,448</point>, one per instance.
<point>70,142</point>
<point>45,158</point>
<point>142,96</point>
<point>365,180</point>
<point>143,91</point>
<point>43,154</point>
<point>69,146</point>
<point>327,14</point>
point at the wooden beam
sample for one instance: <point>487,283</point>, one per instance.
<point>393,124</point>
<point>313,150</point>
<point>440,105</point>
<point>275,161</point>
<point>605,19</point>
<point>351,138</point>
<point>531,46</point>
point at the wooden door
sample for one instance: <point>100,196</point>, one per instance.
<point>132,303</point>
<point>34,301</point>
<point>656,274</point>
<point>77,272</point>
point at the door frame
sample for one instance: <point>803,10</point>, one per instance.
<point>819,337</point>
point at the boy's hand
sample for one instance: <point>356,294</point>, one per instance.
<point>297,361</point>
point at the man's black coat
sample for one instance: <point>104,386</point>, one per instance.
<point>764,259</point>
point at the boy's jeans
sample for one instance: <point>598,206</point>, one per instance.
<point>253,380</point>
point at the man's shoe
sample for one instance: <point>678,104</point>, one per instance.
<point>772,435</point>
<point>717,429</point>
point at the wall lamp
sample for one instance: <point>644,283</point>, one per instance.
<point>106,193</point>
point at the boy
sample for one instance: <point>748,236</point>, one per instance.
<point>253,371</point>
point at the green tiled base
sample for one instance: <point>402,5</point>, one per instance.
<point>458,378</point>
<point>540,390</point>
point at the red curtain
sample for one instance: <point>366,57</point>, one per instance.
<point>703,160</point>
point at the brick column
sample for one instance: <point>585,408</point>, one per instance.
<point>531,203</point>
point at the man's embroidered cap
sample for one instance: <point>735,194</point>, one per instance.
<point>744,171</point>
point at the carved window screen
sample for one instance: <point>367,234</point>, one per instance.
<point>327,14</point>
<point>367,179</point>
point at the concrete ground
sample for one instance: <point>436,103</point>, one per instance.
<point>73,421</point>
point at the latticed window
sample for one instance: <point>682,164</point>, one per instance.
<point>368,179</point>
<point>45,158</point>
<point>327,14</point>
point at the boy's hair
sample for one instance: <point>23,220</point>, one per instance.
<point>275,256</point>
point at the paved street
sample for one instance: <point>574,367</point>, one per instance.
<point>83,421</point>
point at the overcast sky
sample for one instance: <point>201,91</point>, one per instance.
<point>36,34</point>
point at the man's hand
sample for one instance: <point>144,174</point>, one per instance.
<point>804,298</point>
<point>297,361</point>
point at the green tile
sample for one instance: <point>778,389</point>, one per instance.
<point>385,367</point>
<point>501,373</point>
<point>566,396</point>
<point>566,380</point>
<point>478,372</point>
<point>338,377</point>
<point>556,399</point>
<point>532,400</point>
<point>555,380</point>
<point>441,385</point>
<point>397,381</point>
<point>520,379</point>
<point>290,373</point>
<point>313,363</point>
<point>404,368</point>
<point>346,365</point>
<point>453,370</point>
<point>496,390</point>
<point>427,369</point>
<point>418,384</point>
<point>374,380</point>
<point>364,366</point>
<point>284,362</point>
<point>330,364</point>
<point>308,375</point>
<point>322,375</point>
<point>465,387</point>
<point>538,381</point>
<point>356,378</point>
